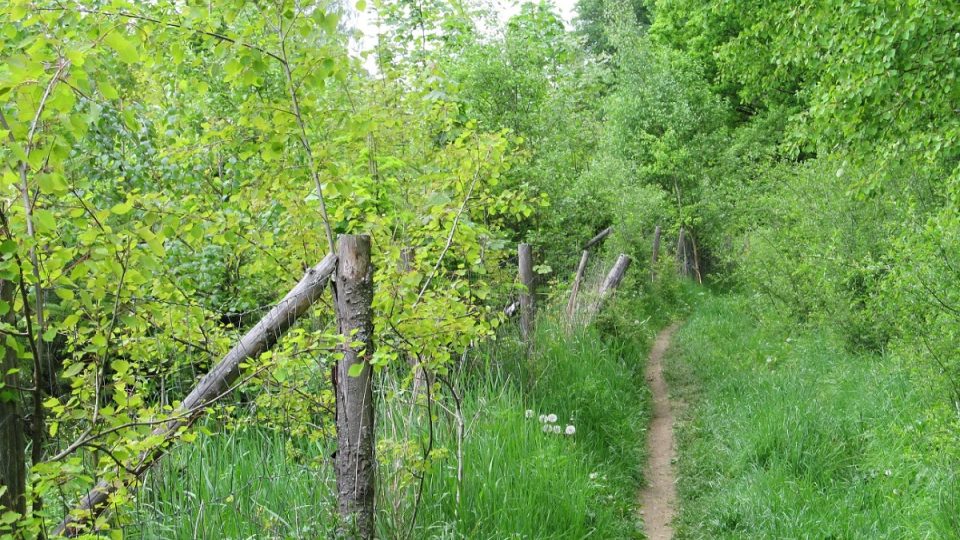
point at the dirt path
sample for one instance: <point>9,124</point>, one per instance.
<point>658,499</point>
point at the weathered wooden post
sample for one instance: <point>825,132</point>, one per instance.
<point>527,307</point>
<point>656,253</point>
<point>615,276</point>
<point>13,466</point>
<point>600,236</point>
<point>581,268</point>
<point>353,381</point>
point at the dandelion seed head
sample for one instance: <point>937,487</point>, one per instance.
<point>570,430</point>
<point>528,413</point>
<point>551,418</point>
<point>546,428</point>
<point>543,418</point>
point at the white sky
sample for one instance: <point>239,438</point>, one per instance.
<point>365,21</point>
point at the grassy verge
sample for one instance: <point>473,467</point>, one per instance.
<point>786,435</point>
<point>518,480</point>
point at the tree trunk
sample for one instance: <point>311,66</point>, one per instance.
<point>696,260</point>
<point>598,238</point>
<point>355,463</point>
<point>214,385</point>
<point>581,268</point>
<point>527,307</point>
<point>684,259</point>
<point>12,446</point>
<point>656,253</point>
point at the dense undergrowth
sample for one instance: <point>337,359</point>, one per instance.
<point>790,435</point>
<point>518,480</point>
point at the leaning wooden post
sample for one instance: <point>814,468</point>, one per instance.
<point>354,463</point>
<point>527,307</point>
<point>656,254</point>
<point>13,467</point>
<point>213,386</point>
<point>615,276</point>
<point>581,268</point>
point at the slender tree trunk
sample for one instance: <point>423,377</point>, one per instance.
<point>655,257</point>
<point>696,260</point>
<point>581,268</point>
<point>214,385</point>
<point>420,376</point>
<point>527,306</point>
<point>12,446</point>
<point>355,463</point>
<point>684,261</point>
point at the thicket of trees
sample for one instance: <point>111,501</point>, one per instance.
<point>170,170</point>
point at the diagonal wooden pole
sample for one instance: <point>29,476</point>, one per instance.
<point>214,385</point>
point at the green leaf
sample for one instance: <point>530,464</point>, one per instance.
<point>125,50</point>
<point>108,91</point>
<point>52,183</point>
<point>44,221</point>
<point>356,369</point>
<point>64,294</point>
<point>9,517</point>
<point>122,208</point>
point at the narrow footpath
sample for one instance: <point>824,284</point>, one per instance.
<point>658,499</point>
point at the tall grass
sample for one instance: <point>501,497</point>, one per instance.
<point>788,435</point>
<point>249,483</point>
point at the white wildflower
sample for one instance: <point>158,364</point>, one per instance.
<point>570,430</point>
<point>556,429</point>
<point>551,418</point>
<point>546,428</point>
<point>529,413</point>
<point>543,418</point>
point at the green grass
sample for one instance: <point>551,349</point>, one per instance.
<point>523,483</point>
<point>248,483</point>
<point>787,435</point>
<point>518,482</point>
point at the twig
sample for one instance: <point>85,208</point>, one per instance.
<point>453,230</point>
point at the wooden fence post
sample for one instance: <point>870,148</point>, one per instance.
<point>527,306</point>
<point>13,467</point>
<point>581,268</point>
<point>615,276</point>
<point>355,463</point>
<point>214,385</point>
<point>656,254</point>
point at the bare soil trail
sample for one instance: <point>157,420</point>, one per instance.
<point>659,498</point>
